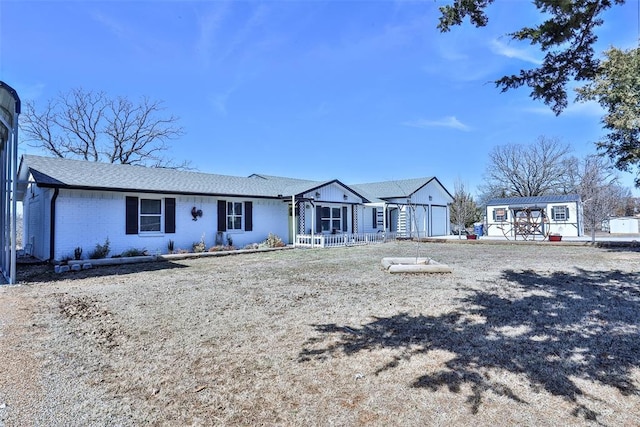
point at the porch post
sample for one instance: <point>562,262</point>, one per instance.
<point>384,220</point>
<point>293,218</point>
<point>313,223</point>
<point>424,221</point>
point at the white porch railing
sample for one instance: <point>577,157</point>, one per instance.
<point>342,239</point>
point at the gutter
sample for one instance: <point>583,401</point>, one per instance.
<point>169,191</point>
<point>52,224</point>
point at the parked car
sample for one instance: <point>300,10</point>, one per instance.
<point>455,228</point>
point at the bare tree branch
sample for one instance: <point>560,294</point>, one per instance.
<point>91,126</point>
<point>527,170</point>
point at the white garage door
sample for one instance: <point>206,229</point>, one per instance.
<point>439,220</point>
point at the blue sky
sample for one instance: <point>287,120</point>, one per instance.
<point>359,91</point>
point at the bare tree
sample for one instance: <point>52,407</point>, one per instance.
<point>537,169</point>
<point>92,126</point>
<point>463,210</point>
<point>599,191</point>
<point>630,205</point>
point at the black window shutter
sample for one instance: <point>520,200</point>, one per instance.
<point>248,216</point>
<point>566,211</point>
<point>506,214</point>
<point>375,217</point>
<point>222,215</point>
<point>318,219</point>
<point>131,215</point>
<point>169,215</point>
<point>553,213</point>
<point>345,226</point>
<point>494,214</point>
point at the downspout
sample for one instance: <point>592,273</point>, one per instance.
<point>52,225</point>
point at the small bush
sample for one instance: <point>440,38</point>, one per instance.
<point>77,253</point>
<point>199,246</point>
<point>134,252</point>
<point>221,248</point>
<point>274,241</point>
<point>101,251</point>
<point>252,246</point>
<point>170,246</point>
<point>229,241</point>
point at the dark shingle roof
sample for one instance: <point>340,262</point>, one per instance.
<point>533,200</point>
<point>56,172</point>
<point>68,173</point>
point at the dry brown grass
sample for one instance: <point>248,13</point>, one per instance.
<point>517,335</point>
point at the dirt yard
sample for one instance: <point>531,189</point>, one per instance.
<point>527,334</point>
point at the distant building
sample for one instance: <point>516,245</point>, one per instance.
<point>624,225</point>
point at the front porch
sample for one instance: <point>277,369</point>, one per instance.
<point>342,239</point>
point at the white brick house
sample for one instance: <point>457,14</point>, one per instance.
<point>72,203</point>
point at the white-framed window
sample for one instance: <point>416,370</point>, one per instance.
<point>560,213</point>
<point>150,215</point>
<point>234,215</point>
<point>331,219</point>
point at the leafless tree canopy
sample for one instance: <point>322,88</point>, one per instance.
<point>92,126</point>
<point>528,170</point>
<point>600,192</point>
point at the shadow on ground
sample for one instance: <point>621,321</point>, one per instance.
<point>550,328</point>
<point>39,273</point>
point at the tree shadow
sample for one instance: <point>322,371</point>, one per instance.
<point>618,246</point>
<point>42,273</point>
<point>549,328</point>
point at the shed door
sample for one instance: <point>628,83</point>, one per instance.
<point>438,220</point>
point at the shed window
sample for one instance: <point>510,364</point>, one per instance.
<point>500,214</point>
<point>560,213</point>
